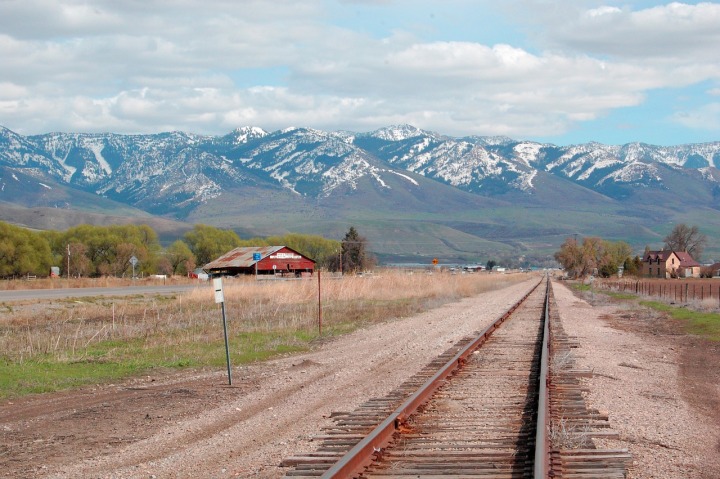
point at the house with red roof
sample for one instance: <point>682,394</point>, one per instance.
<point>670,264</point>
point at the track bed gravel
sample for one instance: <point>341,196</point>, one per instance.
<point>191,424</point>
<point>660,387</point>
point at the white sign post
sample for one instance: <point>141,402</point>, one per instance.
<point>220,298</point>
<point>134,262</point>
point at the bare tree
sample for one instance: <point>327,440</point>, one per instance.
<point>686,238</point>
<point>580,260</point>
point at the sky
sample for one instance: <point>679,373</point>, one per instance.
<point>561,72</point>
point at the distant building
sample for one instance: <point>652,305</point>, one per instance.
<point>261,260</point>
<point>198,273</point>
<point>473,268</point>
<point>670,264</point>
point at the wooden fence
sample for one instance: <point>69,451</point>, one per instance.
<point>673,290</point>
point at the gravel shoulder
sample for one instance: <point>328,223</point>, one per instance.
<point>194,425</point>
<point>191,424</point>
<point>661,388</point>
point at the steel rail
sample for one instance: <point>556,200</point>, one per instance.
<point>362,454</point>
<point>541,465</point>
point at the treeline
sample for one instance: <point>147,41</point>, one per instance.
<point>92,251</point>
<point>595,256</point>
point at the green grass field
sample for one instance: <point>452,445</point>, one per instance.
<point>703,324</point>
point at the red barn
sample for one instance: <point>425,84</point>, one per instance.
<point>261,260</point>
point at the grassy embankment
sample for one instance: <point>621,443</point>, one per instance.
<point>700,318</point>
<point>63,344</point>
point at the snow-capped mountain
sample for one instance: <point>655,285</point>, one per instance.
<point>175,171</point>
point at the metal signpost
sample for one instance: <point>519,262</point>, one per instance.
<point>220,298</point>
<point>134,262</point>
<point>256,257</point>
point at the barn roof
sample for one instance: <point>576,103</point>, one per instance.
<point>242,257</point>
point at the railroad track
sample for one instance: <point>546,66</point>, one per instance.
<point>506,403</point>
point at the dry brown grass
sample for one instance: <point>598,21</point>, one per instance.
<point>74,330</point>
<point>103,282</point>
<point>564,435</point>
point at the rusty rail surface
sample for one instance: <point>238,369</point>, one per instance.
<point>542,444</point>
<point>364,443</point>
<point>363,453</point>
<point>363,447</point>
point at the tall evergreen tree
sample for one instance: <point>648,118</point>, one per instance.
<point>355,257</point>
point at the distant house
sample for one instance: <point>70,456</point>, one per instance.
<point>473,267</point>
<point>198,273</point>
<point>670,264</point>
<point>261,260</point>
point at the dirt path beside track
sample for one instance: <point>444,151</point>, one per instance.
<point>192,424</point>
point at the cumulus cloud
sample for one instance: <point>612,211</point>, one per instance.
<point>676,31</point>
<point>212,66</point>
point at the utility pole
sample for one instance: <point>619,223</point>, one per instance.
<point>68,268</point>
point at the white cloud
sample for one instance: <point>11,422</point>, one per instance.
<point>676,31</point>
<point>212,66</point>
<point>604,12</point>
<point>706,117</point>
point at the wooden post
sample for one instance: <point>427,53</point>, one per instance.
<point>319,307</point>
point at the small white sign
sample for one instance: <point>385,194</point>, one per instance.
<point>217,285</point>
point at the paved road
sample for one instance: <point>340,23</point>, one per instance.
<point>29,294</point>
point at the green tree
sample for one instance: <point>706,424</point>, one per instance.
<point>79,262</point>
<point>121,264</point>
<point>208,242</point>
<point>578,259</point>
<point>355,257</point>
<point>632,266</point>
<point>490,264</point>
<point>612,256</point>
<point>145,247</point>
<point>23,252</point>
<point>593,256</point>
<point>180,257</point>
<point>107,249</point>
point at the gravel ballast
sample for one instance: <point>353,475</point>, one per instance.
<point>190,425</point>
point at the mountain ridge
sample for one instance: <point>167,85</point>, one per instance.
<point>393,172</point>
